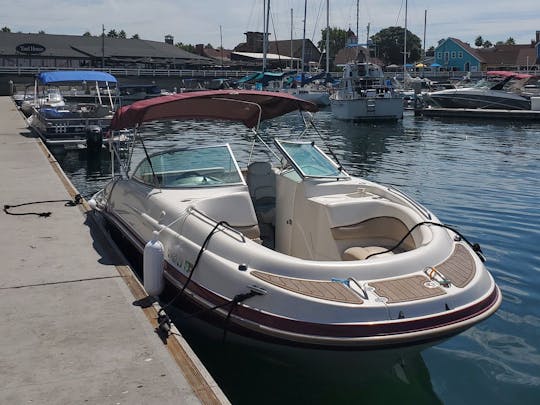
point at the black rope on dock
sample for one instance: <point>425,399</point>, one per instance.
<point>68,203</point>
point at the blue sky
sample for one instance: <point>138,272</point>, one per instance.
<point>199,21</point>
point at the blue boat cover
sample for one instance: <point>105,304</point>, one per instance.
<point>75,76</point>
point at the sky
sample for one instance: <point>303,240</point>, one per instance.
<point>224,22</point>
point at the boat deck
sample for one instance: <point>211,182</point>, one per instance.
<point>458,269</point>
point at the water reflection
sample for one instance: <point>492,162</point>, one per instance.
<point>253,373</point>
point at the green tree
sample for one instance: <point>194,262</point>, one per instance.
<point>112,34</point>
<point>122,34</point>
<point>338,39</point>
<point>41,32</point>
<point>135,36</point>
<point>487,44</point>
<point>389,42</point>
<point>479,41</point>
<point>186,47</point>
<point>6,29</point>
<point>87,34</point>
<point>510,41</point>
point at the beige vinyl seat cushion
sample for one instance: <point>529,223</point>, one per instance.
<point>361,253</point>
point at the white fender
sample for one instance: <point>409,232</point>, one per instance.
<point>153,260</point>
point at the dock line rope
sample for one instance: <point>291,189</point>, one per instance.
<point>68,203</point>
<point>164,322</point>
<point>201,251</point>
<point>475,246</point>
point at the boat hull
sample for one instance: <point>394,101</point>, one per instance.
<point>478,99</point>
<point>252,322</point>
<point>367,109</point>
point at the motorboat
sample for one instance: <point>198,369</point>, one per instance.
<point>80,124</point>
<point>130,93</point>
<point>365,95</point>
<point>49,97</point>
<point>483,95</point>
<point>297,252</point>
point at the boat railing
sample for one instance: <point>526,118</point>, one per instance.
<point>128,71</point>
<point>213,221</point>
<point>416,205</point>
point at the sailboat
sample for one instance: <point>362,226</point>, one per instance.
<point>364,94</point>
<point>310,89</point>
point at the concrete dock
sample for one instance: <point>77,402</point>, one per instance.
<point>69,331</point>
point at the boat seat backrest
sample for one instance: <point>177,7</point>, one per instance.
<point>262,189</point>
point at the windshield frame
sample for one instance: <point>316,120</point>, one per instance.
<point>153,176</point>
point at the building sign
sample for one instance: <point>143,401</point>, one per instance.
<point>30,49</point>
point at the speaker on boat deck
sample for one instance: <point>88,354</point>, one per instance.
<point>94,137</point>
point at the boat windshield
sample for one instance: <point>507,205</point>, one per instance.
<point>194,167</point>
<point>308,160</point>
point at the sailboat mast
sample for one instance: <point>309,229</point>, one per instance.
<point>357,47</point>
<point>266,17</point>
<point>291,39</point>
<point>327,37</point>
<point>405,45</point>
<point>424,50</point>
<point>304,42</point>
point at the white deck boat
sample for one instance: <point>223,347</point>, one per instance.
<point>482,95</point>
<point>364,96</point>
<point>301,252</point>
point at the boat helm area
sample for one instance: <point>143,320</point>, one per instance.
<point>305,206</point>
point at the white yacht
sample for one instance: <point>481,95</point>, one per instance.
<point>364,95</point>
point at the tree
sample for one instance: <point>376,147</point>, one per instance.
<point>487,44</point>
<point>135,36</point>
<point>338,39</point>
<point>87,34</point>
<point>41,32</point>
<point>122,34</point>
<point>389,42</point>
<point>6,29</point>
<point>510,41</point>
<point>479,41</point>
<point>186,47</point>
<point>112,34</point>
<point>430,51</point>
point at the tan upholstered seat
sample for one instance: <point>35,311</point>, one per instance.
<point>361,253</point>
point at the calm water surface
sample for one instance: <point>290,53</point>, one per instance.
<point>482,178</point>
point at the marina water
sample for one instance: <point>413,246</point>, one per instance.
<point>481,177</point>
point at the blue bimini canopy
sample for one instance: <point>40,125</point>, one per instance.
<point>75,76</point>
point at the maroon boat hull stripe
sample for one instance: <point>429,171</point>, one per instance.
<point>337,331</point>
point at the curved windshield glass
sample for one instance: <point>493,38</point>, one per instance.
<point>197,167</point>
<point>308,160</point>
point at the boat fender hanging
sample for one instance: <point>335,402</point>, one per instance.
<point>153,260</point>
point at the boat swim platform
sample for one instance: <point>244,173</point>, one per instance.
<point>515,115</point>
<point>70,331</point>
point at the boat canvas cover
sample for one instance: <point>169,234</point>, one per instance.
<point>245,106</point>
<point>75,76</point>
